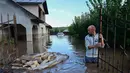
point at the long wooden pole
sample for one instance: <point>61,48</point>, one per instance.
<point>2,26</point>
<point>100,22</point>
<point>100,30</point>
<point>15,35</point>
<point>114,50</point>
<point>9,38</point>
<point>2,49</point>
<point>125,34</point>
<point>105,65</point>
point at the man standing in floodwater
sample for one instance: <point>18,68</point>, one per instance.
<point>92,44</point>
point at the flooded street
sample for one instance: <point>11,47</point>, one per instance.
<point>74,48</point>
<point>76,52</point>
<point>65,45</point>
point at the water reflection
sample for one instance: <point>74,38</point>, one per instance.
<point>72,47</point>
<point>41,44</point>
<point>77,44</point>
<point>65,45</point>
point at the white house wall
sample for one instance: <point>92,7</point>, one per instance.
<point>43,17</point>
<point>41,6</point>
<point>32,8</point>
<point>8,7</point>
<point>42,13</point>
<point>23,18</point>
<point>42,37</point>
<point>42,25</point>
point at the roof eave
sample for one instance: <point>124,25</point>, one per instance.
<point>29,3</point>
<point>49,26</point>
<point>37,21</point>
<point>32,3</point>
<point>35,17</point>
<point>45,7</point>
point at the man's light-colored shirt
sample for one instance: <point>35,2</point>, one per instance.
<point>91,40</point>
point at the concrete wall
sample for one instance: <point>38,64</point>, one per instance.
<point>43,37</point>
<point>41,6</point>
<point>42,31</point>
<point>43,17</point>
<point>32,8</point>
<point>47,30</point>
<point>8,7</point>
<point>42,12</point>
<point>35,38</point>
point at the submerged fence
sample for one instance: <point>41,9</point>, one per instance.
<point>8,39</point>
<point>116,61</point>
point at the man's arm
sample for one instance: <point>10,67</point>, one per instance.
<point>91,47</point>
<point>102,41</point>
<point>87,44</point>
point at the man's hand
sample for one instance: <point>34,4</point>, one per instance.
<point>101,36</point>
<point>95,46</point>
<point>102,40</point>
<point>98,45</point>
<point>91,47</point>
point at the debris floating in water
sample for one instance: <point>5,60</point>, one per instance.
<point>39,61</point>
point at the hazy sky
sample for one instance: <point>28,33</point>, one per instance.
<point>61,12</point>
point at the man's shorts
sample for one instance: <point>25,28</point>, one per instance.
<point>91,59</point>
<point>1,70</point>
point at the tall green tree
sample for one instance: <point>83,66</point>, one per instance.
<point>115,13</point>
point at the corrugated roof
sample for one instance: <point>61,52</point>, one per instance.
<point>30,1</point>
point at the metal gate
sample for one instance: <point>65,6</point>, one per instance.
<point>116,60</point>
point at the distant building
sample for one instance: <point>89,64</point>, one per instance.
<point>66,32</point>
